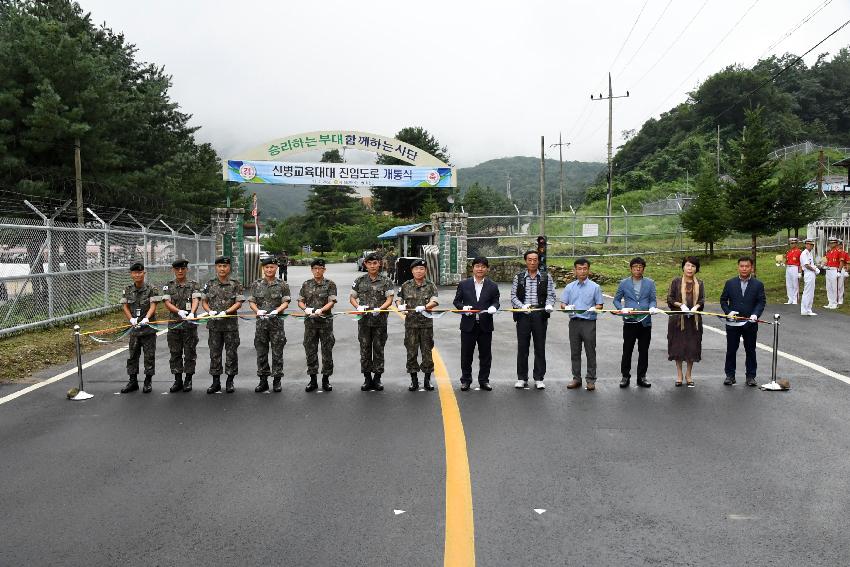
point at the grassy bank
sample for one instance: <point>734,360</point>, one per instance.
<point>23,355</point>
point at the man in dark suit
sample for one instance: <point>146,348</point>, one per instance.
<point>481,294</point>
<point>743,301</point>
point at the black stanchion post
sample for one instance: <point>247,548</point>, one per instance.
<point>775,361</point>
<point>78,394</point>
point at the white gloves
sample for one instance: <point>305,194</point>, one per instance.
<point>144,321</point>
<point>491,310</point>
<point>655,311</point>
<point>754,318</point>
<point>569,307</point>
<point>527,306</point>
<point>549,308</point>
<point>731,315</point>
<point>402,306</point>
<point>274,312</point>
<point>684,308</point>
<point>592,310</point>
<point>309,310</point>
<point>134,320</point>
<point>420,308</point>
<point>843,273</point>
<point>467,308</point>
<point>627,309</point>
<point>376,311</point>
<point>799,275</point>
<point>261,313</point>
<point>182,313</point>
<point>212,313</point>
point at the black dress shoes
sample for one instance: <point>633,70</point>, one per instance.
<point>485,386</point>
<point>730,381</point>
<point>624,383</point>
<point>464,387</point>
<point>751,381</point>
<point>642,383</point>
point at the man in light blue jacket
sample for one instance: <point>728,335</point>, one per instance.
<point>636,293</point>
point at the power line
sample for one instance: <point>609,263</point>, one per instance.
<point>675,41</point>
<point>625,41</point>
<point>791,32</point>
<point>651,30</point>
<point>709,54</point>
<point>785,68</point>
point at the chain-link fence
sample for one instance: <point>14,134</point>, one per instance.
<point>571,235</point>
<point>53,270</point>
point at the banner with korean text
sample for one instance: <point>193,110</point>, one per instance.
<point>353,175</point>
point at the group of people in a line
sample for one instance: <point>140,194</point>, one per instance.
<point>802,265</point>
<point>373,296</point>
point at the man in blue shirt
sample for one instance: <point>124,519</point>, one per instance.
<point>636,293</point>
<point>583,296</point>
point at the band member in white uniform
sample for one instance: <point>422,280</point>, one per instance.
<point>810,270</point>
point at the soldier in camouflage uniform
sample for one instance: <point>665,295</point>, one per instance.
<point>223,296</point>
<point>317,298</point>
<point>138,301</point>
<point>416,296</point>
<point>269,297</point>
<point>181,297</point>
<point>372,292</point>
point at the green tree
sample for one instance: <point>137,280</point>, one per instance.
<point>480,200</point>
<point>362,235</point>
<point>406,202</point>
<point>796,204</point>
<point>705,219</point>
<point>62,79</point>
<point>329,206</point>
<point>751,198</point>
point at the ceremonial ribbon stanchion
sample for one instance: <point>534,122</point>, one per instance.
<point>78,394</point>
<point>775,385</point>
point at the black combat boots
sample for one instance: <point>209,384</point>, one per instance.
<point>228,386</point>
<point>178,384</point>
<point>276,384</point>
<point>312,385</point>
<point>132,385</point>
<point>263,386</point>
<point>376,383</point>
<point>146,387</point>
<point>326,383</point>
<point>187,383</point>
<point>414,382</point>
<point>427,384</point>
<point>367,384</point>
<point>216,385</point>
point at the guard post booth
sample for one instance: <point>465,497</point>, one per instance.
<point>408,241</point>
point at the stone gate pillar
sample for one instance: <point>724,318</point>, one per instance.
<point>450,233</point>
<point>229,238</point>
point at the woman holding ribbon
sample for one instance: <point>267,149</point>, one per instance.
<point>684,330</point>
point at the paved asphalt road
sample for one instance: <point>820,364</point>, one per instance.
<point>667,476</point>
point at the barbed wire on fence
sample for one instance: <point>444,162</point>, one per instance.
<point>571,235</point>
<point>53,270</point>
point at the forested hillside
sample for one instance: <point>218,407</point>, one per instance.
<point>800,103</point>
<point>525,179</point>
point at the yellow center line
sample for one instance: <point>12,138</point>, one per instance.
<point>460,530</point>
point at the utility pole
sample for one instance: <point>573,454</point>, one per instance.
<point>542,187</point>
<point>561,145</point>
<point>78,180</point>
<point>820,172</point>
<point>610,98</point>
<point>509,188</point>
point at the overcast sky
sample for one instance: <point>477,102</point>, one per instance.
<point>486,78</point>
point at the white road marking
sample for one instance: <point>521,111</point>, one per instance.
<point>398,512</point>
<point>540,510</point>
<point>803,362</point>
<point>69,372</point>
<point>740,517</point>
<point>816,367</point>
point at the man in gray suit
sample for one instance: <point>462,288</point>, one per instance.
<point>636,293</point>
